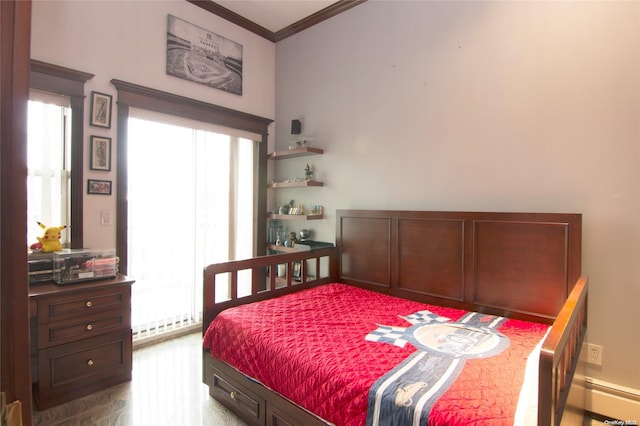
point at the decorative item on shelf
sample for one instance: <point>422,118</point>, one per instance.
<point>300,142</point>
<point>292,239</point>
<point>296,210</point>
<point>308,173</point>
<point>317,209</point>
<point>296,273</point>
<point>305,234</point>
<point>282,270</point>
<point>50,240</point>
<point>274,231</point>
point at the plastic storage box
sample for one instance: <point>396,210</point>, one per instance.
<point>77,265</point>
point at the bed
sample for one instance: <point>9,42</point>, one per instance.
<point>508,283</point>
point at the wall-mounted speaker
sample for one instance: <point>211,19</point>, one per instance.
<point>296,127</point>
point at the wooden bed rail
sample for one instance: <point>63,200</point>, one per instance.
<point>265,285</point>
<point>560,356</point>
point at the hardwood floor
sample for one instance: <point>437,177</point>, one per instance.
<point>166,390</point>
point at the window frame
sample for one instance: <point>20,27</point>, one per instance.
<point>68,82</point>
<point>132,95</point>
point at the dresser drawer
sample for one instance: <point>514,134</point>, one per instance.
<point>71,330</point>
<point>80,368</point>
<point>83,303</point>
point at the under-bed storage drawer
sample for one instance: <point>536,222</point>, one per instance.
<point>241,400</point>
<point>250,400</point>
<point>275,418</point>
<point>282,412</point>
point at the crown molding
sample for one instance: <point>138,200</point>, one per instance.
<point>233,17</point>
<point>311,20</point>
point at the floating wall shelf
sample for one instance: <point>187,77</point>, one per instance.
<point>295,152</point>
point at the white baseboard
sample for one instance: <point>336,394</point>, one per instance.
<point>612,401</point>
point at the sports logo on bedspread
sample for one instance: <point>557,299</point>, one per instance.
<point>405,395</point>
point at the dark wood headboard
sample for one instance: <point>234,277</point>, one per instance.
<point>520,265</point>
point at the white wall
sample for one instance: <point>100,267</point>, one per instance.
<point>497,106</point>
<point>126,40</point>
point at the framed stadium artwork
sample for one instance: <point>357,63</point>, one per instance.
<point>205,57</point>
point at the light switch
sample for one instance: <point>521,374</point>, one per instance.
<point>105,217</point>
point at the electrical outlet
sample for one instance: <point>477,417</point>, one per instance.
<point>594,354</point>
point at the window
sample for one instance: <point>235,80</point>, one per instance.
<point>48,164</point>
<point>132,101</point>
<point>62,89</point>
<point>190,203</point>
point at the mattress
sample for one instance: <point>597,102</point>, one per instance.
<point>337,349</point>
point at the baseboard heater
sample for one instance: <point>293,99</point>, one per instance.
<point>612,401</point>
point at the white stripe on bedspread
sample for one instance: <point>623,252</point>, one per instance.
<point>382,388</point>
<point>527,410</point>
<point>426,397</point>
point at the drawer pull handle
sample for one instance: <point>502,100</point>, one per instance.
<point>89,304</point>
<point>90,362</point>
<point>89,327</point>
<point>233,395</point>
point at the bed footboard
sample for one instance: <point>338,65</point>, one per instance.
<point>300,270</point>
<point>563,362</point>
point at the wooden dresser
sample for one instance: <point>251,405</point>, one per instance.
<point>80,338</point>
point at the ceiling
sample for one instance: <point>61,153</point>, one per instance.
<point>276,20</point>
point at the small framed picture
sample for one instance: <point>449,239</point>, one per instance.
<point>100,187</point>
<point>296,274</point>
<point>100,153</point>
<point>100,110</point>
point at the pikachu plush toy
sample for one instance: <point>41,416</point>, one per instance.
<point>50,240</point>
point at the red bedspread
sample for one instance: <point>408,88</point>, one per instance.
<point>310,347</point>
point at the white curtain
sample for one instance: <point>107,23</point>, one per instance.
<point>190,203</point>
